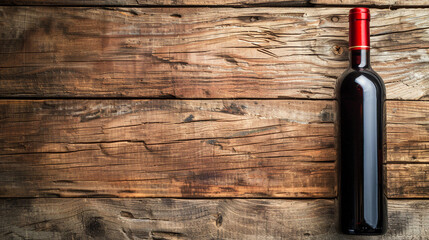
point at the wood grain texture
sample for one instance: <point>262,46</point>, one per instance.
<point>167,148</point>
<point>202,52</point>
<point>410,180</point>
<point>408,131</point>
<point>190,148</point>
<point>391,3</point>
<point>193,219</point>
<point>241,3</point>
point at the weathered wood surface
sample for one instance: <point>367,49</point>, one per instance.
<point>192,148</point>
<point>202,52</point>
<point>247,3</point>
<point>167,148</point>
<point>408,131</point>
<point>410,180</point>
<point>391,3</point>
<point>50,218</point>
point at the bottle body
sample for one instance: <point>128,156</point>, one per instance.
<point>361,149</point>
<point>361,137</point>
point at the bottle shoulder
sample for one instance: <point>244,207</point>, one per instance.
<point>367,73</point>
<point>361,78</point>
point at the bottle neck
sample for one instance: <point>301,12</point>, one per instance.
<point>359,38</point>
<point>359,59</point>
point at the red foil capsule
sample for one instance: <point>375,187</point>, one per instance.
<point>359,28</point>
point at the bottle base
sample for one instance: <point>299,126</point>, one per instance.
<point>368,232</point>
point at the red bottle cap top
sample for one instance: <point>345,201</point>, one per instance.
<point>359,13</point>
<point>359,28</point>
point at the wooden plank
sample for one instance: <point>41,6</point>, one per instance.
<point>167,148</point>
<point>407,143</point>
<point>50,218</point>
<point>158,2</point>
<point>391,3</point>
<point>410,180</point>
<point>195,53</point>
<point>407,131</point>
<point>247,3</point>
<point>187,148</point>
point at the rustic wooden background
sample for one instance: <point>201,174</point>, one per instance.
<point>165,119</point>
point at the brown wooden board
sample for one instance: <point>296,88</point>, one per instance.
<point>410,180</point>
<point>389,3</point>
<point>214,3</point>
<point>190,148</point>
<point>408,131</point>
<point>202,52</point>
<point>165,218</point>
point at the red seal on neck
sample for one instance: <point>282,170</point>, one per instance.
<point>359,28</point>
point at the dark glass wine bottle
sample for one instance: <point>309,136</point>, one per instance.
<point>361,137</point>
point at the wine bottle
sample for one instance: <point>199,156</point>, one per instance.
<point>361,137</point>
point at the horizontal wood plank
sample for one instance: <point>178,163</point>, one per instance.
<point>202,52</point>
<point>50,218</point>
<point>241,3</point>
<point>411,180</point>
<point>190,148</point>
<point>408,131</point>
<point>390,3</point>
<point>167,148</point>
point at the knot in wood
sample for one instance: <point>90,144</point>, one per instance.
<point>254,18</point>
<point>335,19</point>
<point>219,220</point>
<point>338,50</point>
